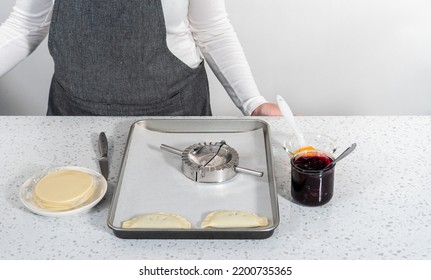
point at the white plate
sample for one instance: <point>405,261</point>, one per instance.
<point>26,193</point>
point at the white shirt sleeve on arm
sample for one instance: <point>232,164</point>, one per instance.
<point>220,46</point>
<point>23,31</point>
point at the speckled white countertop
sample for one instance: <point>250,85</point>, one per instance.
<point>381,207</point>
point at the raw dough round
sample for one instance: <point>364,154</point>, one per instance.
<point>63,189</point>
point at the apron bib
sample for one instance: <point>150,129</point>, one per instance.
<point>111,58</point>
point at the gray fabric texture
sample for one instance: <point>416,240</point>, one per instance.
<point>111,58</point>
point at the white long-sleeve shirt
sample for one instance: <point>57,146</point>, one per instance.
<point>193,28</point>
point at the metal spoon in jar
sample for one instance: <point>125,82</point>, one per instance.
<point>341,156</point>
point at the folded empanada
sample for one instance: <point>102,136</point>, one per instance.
<point>233,219</point>
<point>158,220</point>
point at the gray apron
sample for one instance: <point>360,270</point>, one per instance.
<point>111,58</point>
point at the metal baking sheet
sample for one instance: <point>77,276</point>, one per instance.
<point>151,180</point>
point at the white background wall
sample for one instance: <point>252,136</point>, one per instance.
<point>326,57</point>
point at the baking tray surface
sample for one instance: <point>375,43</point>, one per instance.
<point>151,180</point>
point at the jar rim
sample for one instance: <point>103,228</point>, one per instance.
<point>315,152</point>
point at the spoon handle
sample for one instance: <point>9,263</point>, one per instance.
<point>341,156</point>
<point>346,152</point>
<point>288,115</point>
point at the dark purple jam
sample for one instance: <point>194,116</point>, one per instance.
<point>312,162</point>
<point>310,185</point>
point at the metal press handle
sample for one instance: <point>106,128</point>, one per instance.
<point>248,171</point>
<point>238,169</point>
<point>170,149</point>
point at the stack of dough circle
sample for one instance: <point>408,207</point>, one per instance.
<point>63,189</point>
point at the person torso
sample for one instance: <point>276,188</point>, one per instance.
<point>110,55</point>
